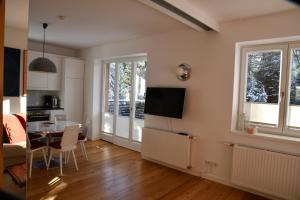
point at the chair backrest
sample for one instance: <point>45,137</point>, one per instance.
<point>70,137</point>
<point>83,130</point>
<point>61,117</point>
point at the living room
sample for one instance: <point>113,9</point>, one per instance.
<point>155,43</point>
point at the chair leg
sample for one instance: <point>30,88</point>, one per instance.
<point>74,158</point>
<point>83,149</point>
<point>49,161</point>
<point>65,157</point>
<point>68,156</point>
<point>60,162</point>
<point>30,163</point>
<point>45,159</point>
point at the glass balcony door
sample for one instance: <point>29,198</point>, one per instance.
<point>108,98</point>
<point>124,104</point>
<point>123,99</point>
<point>139,100</point>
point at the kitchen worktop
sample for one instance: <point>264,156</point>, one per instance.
<point>34,108</point>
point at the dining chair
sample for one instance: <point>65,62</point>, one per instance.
<point>60,117</point>
<point>33,146</point>
<point>82,138</point>
<point>66,145</point>
<point>34,136</point>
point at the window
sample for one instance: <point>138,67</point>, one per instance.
<point>270,88</point>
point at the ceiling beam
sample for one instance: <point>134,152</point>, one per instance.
<point>186,13</point>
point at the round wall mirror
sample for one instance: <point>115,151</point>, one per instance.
<point>183,72</point>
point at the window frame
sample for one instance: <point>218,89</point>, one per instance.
<point>295,132</point>
<point>278,129</point>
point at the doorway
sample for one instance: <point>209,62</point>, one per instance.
<point>123,100</point>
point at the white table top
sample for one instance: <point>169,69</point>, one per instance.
<point>48,127</point>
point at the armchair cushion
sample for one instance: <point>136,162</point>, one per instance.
<point>22,119</point>
<point>14,129</point>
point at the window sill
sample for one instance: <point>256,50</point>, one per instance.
<point>269,137</point>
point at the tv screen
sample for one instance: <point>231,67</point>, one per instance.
<point>167,102</point>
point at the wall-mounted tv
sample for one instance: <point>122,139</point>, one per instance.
<point>167,102</point>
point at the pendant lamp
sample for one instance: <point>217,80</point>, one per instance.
<point>43,64</point>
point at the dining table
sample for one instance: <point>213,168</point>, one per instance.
<point>46,129</point>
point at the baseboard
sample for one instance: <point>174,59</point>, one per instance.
<point>94,138</point>
<point>212,177</point>
<point>217,179</point>
<point>192,172</point>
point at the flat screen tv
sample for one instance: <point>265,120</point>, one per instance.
<point>167,102</point>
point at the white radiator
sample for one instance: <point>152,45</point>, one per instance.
<point>167,147</point>
<point>269,172</point>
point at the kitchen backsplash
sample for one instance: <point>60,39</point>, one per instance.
<point>36,97</point>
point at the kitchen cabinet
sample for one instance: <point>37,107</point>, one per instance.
<point>35,80</point>
<point>73,68</point>
<point>54,79</point>
<point>68,80</point>
<point>43,80</point>
<point>73,88</point>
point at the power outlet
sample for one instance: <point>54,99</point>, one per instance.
<point>211,163</point>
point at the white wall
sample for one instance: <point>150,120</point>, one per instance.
<point>50,48</point>
<point>15,38</point>
<point>207,113</point>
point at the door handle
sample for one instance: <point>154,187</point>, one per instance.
<point>281,95</point>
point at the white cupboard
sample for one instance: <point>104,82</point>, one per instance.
<point>44,80</point>
<point>54,79</point>
<point>73,88</point>
<point>68,80</point>
<point>36,80</point>
<point>73,68</point>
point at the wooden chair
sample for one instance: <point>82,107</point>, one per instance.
<point>66,145</point>
<point>33,146</point>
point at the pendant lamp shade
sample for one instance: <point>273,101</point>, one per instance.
<point>42,64</point>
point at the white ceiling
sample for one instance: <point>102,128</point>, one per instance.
<point>226,10</point>
<point>16,13</point>
<point>95,22</point>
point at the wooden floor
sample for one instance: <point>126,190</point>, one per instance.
<point>113,172</point>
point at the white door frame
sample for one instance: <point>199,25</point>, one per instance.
<point>124,142</point>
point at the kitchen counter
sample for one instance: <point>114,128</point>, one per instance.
<point>36,108</point>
